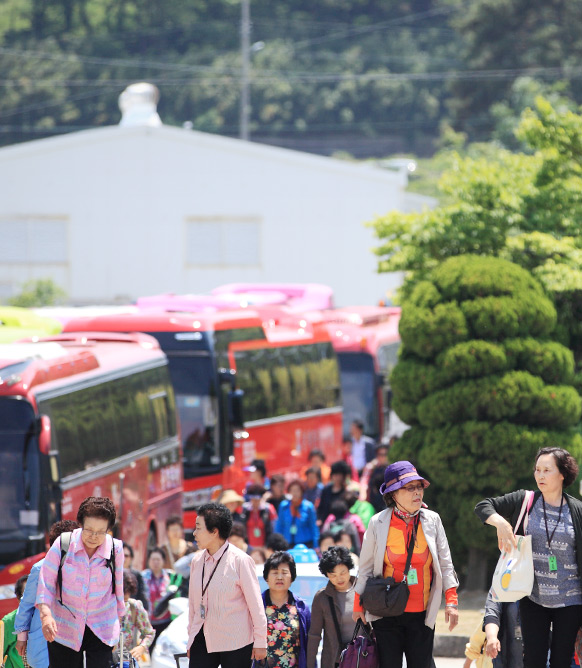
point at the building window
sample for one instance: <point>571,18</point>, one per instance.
<point>223,242</point>
<point>32,240</point>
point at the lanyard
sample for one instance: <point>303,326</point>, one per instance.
<point>212,574</point>
<point>546,522</point>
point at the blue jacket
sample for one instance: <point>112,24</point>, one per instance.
<point>28,619</point>
<point>306,529</point>
<point>304,615</point>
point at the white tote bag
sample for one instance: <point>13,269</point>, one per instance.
<point>514,574</point>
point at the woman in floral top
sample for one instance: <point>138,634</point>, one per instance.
<point>138,632</point>
<point>288,617</point>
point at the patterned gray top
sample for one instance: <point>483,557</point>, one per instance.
<point>561,588</point>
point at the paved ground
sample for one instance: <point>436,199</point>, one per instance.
<point>448,663</point>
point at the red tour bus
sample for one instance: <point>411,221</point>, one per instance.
<point>289,377</point>
<point>84,415</point>
<point>367,341</point>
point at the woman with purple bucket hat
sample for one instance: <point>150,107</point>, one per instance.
<point>407,524</point>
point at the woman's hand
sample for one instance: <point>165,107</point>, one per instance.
<point>451,616</point>
<point>505,537</point>
<point>259,653</point>
<point>21,647</point>
<point>493,647</point>
<point>137,651</point>
<point>359,615</point>
<point>49,628</point>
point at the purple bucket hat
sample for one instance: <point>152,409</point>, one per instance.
<point>399,474</point>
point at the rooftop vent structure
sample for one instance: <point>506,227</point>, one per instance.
<point>139,106</point>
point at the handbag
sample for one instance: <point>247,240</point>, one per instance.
<point>361,651</point>
<point>514,574</point>
<point>384,597</point>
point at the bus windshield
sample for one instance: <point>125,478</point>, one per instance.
<point>19,482</point>
<point>197,404</point>
<point>358,381</point>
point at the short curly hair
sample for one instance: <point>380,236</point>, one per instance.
<point>216,516</point>
<point>275,560</point>
<point>566,464</point>
<point>100,507</point>
<point>129,583</point>
<point>60,527</point>
<point>335,556</point>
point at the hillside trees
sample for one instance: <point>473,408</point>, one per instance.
<point>483,386</point>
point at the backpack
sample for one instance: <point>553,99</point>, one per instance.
<point>65,544</point>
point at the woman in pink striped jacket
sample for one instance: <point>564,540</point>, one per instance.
<point>83,614</point>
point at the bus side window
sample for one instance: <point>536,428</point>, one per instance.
<point>64,437</point>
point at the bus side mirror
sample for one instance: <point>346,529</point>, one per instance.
<point>44,434</point>
<point>235,409</point>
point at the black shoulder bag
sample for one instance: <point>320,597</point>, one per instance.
<point>384,597</point>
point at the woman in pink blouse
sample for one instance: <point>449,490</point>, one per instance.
<point>227,624</point>
<point>83,615</point>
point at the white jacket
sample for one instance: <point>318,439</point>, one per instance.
<point>374,548</point>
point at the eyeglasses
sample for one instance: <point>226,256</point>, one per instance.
<point>94,534</point>
<point>414,488</point>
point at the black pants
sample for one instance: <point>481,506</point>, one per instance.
<point>158,628</point>
<point>535,629</point>
<point>406,635</point>
<point>99,655</point>
<point>200,657</point>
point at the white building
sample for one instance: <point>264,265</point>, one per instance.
<point>142,208</point>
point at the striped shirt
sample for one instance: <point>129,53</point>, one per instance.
<point>234,615</point>
<point>87,593</point>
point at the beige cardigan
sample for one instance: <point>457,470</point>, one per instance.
<point>374,548</point>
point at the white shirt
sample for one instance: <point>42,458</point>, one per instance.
<point>359,453</point>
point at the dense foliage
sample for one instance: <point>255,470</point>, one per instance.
<point>482,385</point>
<point>366,76</point>
<point>526,207</point>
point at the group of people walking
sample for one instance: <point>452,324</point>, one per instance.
<point>83,601</point>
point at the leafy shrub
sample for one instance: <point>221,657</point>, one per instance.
<point>428,331</point>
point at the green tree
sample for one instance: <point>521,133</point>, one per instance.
<point>526,207</point>
<point>482,386</point>
<point>43,292</point>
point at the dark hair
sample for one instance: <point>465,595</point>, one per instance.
<point>255,490</point>
<point>297,483</point>
<point>239,530</point>
<point>382,446</point>
<point>566,464</point>
<point>389,499</point>
<point>216,516</point>
<point>127,546</point>
<point>315,453</point>
<point>100,507</point>
<point>60,527</point>
<point>157,550</point>
<point>335,556</point>
<point>314,469</point>
<point>278,558</point>
<point>325,534</point>
<point>341,467</point>
<point>339,508</point>
<point>343,532</point>
<point>259,465</point>
<point>359,424</point>
<point>277,478</point>
<point>20,585</point>
<point>277,542</point>
<point>174,519</point>
<point>129,582</point>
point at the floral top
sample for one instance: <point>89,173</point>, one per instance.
<point>282,636</point>
<point>137,628</point>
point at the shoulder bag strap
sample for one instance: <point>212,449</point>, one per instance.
<point>525,506</point>
<point>335,620</point>
<point>410,551</point>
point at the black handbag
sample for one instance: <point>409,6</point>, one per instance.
<point>384,597</point>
